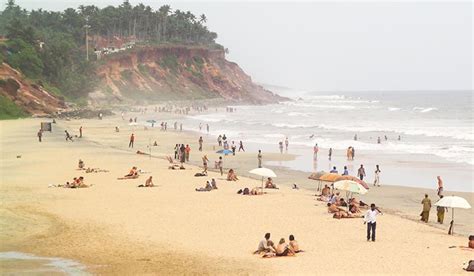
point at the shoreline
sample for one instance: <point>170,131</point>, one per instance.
<point>125,228</point>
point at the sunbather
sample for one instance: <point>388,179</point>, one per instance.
<point>81,164</point>
<point>333,208</point>
<point>269,184</point>
<point>214,184</point>
<point>208,188</point>
<point>293,245</point>
<point>133,173</point>
<point>231,176</point>
<point>283,249</point>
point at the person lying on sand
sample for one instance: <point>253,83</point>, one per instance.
<point>141,152</point>
<point>333,208</point>
<point>256,191</point>
<point>341,202</point>
<point>204,173</point>
<point>132,174</point>
<point>283,249</point>
<point>177,167</point>
<point>293,245</point>
<point>95,170</point>
<point>344,214</point>
<point>269,184</point>
<point>231,176</point>
<point>208,188</point>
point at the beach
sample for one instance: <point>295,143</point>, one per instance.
<point>114,227</point>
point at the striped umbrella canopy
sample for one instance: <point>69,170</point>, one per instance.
<point>350,186</point>
<point>330,177</point>
<point>355,179</point>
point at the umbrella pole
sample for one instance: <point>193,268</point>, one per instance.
<point>262,185</point>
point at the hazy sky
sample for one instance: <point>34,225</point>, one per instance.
<point>336,45</point>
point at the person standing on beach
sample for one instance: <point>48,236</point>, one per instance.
<point>233,148</point>
<point>370,219</point>
<point>205,161</point>
<point>286,143</point>
<point>40,135</point>
<point>361,172</point>
<point>355,137</point>
<point>330,154</point>
<point>200,143</point>
<point>200,126</point>
<point>181,127</point>
<point>315,151</point>
<point>280,145</point>
<point>220,165</point>
<point>80,132</point>
<point>219,140</point>
<point>207,128</point>
<point>259,158</point>
<point>440,211</point>
<point>378,140</point>
<point>352,153</point>
<point>182,154</point>
<point>377,175</point>
<point>241,146</point>
<point>425,214</point>
<point>187,152</point>
<point>440,185</point>
<point>132,140</point>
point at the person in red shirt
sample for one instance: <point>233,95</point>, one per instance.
<point>187,150</point>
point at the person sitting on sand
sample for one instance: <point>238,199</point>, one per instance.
<point>133,173</point>
<point>81,164</point>
<point>341,202</point>
<point>283,249</point>
<point>231,176</point>
<point>269,184</point>
<point>149,182</point>
<point>471,242</point>
<point>293,245</point>
<point>325,191</point>
<point>265,245</point>
<point>214,184</point>
<point>208,188</point>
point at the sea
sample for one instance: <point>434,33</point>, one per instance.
<point>423,133</point>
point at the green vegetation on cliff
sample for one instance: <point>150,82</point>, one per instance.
<point>8,109</point>
<point>50,47</point>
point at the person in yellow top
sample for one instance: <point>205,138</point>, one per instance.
<point>425,214</point>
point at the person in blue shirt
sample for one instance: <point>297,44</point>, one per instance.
<point>346,172</point>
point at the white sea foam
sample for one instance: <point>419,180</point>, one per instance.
<point>424,109</point>
<point>66,266</point>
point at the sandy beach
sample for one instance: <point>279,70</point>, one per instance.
<point>115,228</point>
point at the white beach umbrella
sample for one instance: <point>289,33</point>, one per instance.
<point>263,172</point>
<point>351,187</point>
<point>453,202</point>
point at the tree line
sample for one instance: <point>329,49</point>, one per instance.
<point>49,46</point>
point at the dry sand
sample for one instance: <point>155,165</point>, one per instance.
<point>115,227</point>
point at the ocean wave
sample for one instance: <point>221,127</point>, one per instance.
<point>393,108</point>
<point>424,109</point>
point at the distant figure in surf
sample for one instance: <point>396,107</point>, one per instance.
<point>241,146</point>
<point>311,136</point>
<point>355,137</point>
<point>399,138</point>
<point>315,151</point>
<point>378,140</point>
<point>286,143</point>
<point>280,145</point>
<point>330,154</point>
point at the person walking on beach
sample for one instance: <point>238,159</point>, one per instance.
<point>233,148</point>
<point>440,185</point>
<point>132,140</point>
<point>352,153</point>
<point>378,140</point>
<point>377,175</point>
<point>80,132</point>
<point>259,158</point>
<point>205,161</point>
<point>40,135</point>
<point>355,137</point>
<point>370,219</point>
<point>425,214</point>
<point>219,140</point>
<point>187,152</point>
<point>207,128</point>
<point>361,172</point>
<point>200,126</point>
<point>181,127</point>
<point>200,143</point>
<point>286,143</point>
<point>68,136</point>
<point>182,154</point>
<point>241,146</point>
<point>280,145</point>
<point>330,154</point>
<point>440,210</point>
<point>220,165</point>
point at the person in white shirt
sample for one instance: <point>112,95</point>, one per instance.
<point>371,219</point>
<point>265,245</point>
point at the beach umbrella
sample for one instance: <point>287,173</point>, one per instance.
<point>151,121</point>
<point>224,151</point>
<point>330,177</point>
<point>453,202</point>
<point>263,172</point>
<point>355,179</point>
<point>351,187</point>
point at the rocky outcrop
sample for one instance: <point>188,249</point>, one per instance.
<point>147,74</point>
<point>31,98</point>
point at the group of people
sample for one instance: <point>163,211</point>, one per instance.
<point>210,185</point>
<point>268,249</point>
<point>77,182</point>
<point>280,145</point>
<point>182,152</point>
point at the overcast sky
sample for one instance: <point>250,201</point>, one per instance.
<point>334,46</point>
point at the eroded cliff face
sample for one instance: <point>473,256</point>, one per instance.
<point>148,74</point>
<point>30,97</point>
